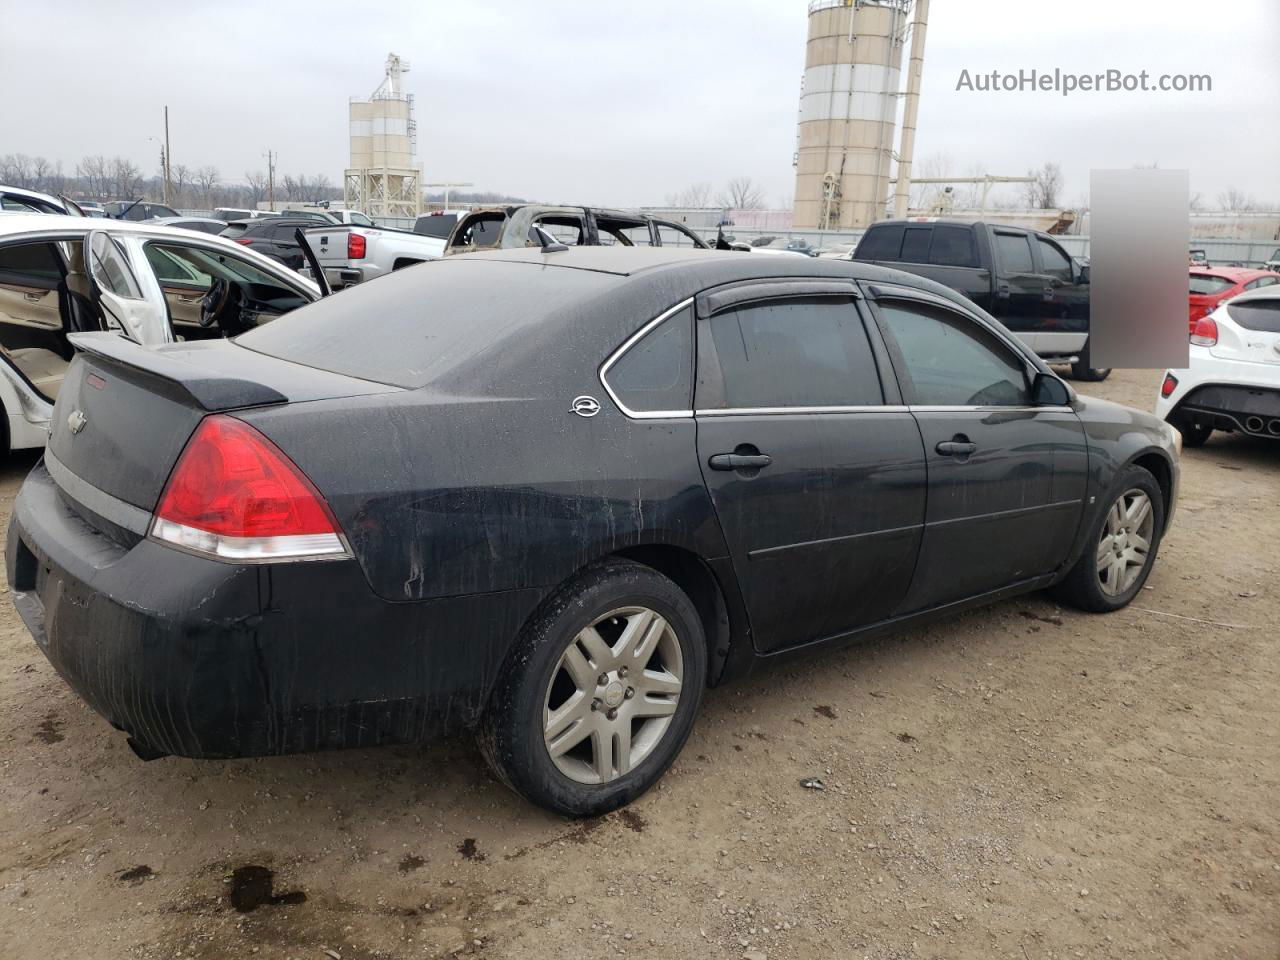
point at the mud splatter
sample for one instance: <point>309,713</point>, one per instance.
<point>50,729</point>
<point>633,821</point>
<point>906,738</point>
<point>410,863</point>
<point>823,710</point>
<point>136,875</point>
<point>469,850</point>
<point>253,886</point>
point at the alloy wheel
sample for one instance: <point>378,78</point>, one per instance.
<point>613,694</point>
<point>1125,543</point>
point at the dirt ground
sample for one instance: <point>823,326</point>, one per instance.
<point>1025,782</point>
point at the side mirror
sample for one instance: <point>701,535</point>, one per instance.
<point>1048,391</point>
<point>1084,273</point>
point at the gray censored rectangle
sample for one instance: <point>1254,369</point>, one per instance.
<point>1138,247</point>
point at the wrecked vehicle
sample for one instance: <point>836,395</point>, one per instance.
<point>153,284</point>
<point>528,225</point>
<point>551,496</point>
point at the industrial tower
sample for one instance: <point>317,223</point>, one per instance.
<point>848,109</point>
<point>383,179</point>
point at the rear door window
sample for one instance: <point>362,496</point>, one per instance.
<point>915,245</point>
<point>656,373</point>
<point>1014,251</point>
<point>881,243</point>
<point>805,352</point>
<point>30,264</point>
<point>672,235</point>
<point>953,246</point>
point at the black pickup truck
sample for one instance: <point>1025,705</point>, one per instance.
<point>1021,277</point>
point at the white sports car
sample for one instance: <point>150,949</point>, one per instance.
<point>153,284</point>
<point>1232,381</point>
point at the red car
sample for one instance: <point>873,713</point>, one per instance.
<point>1212,285</point>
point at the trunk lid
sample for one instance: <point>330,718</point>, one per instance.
<point>125,411</point>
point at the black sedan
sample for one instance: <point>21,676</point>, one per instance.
<point>551,496</point>
<point>274,236</point>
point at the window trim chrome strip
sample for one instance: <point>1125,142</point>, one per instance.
<point>774,411</point>
<point>622,350</point>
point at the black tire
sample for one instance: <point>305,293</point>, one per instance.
<point>511,734</point>
<point>1082,371</point>
<point>1194,434</point>
<point>1082,587</point>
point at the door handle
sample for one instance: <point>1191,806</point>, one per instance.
<point>33,297</point>
<point>739,461</point>
<point>957,446</point>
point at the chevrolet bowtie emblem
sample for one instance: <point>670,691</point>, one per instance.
<point>76,421</point>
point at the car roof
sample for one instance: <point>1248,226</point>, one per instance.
<point>701,268</point>
<point>1230,273</point>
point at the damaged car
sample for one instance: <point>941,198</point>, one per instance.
<point>62,275</point>
<point>550,496</point>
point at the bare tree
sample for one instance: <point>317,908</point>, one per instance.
<point>1043,192</point>
<point>93,171</point>
<point>695,195</point>
<point>293,186</point>
<point>15,169</point>
<point>206,178</point>
<point>1196,203</point>
<point>257,185</point>
<point>181,178</point>
<point>935,165</point>
<point>125,177</point>
<point>1233,200</point>
<point>742,193</point>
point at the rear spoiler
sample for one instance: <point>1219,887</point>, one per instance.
<point>203,385</point>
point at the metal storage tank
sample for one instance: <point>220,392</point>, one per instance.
<point>382,179</point>
<point>848,104</point>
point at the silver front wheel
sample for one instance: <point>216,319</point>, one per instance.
<point>612,695</point>
<point>1125,544</point>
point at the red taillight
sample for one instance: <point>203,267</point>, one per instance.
<point>235,495</point>
<point>1170,384</point>
<point>355,246</point>
<point>1206,332</point>
<point>245,240</point>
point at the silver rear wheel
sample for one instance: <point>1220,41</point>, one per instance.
<point>612,696</point>
<point>1125,544</point>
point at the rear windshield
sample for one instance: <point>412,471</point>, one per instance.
<point>1206,285</point>
<point>1260,315</point>
<point>438,225</point>
<point>412,327</point>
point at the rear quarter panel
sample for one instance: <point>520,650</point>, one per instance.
<point>446,495</point>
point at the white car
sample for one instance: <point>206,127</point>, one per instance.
<point>153,284</point>
<point>1232,381</point>
<point>19,200</point>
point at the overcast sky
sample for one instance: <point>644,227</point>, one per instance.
<point>624,104</point>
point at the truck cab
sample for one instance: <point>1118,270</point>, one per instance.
<point>1024,278</point>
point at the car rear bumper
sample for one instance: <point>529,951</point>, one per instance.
<point>200,658</point>
<point>1228,394</point>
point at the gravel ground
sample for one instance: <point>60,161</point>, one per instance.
<point>1025,782</point>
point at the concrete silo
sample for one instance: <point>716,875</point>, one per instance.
<point>848,106</point>
<point>383,179</point>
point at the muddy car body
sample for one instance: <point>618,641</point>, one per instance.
<point>552,496</point>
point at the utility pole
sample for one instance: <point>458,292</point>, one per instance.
<point>165,155</point>
<point>271,180</point>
